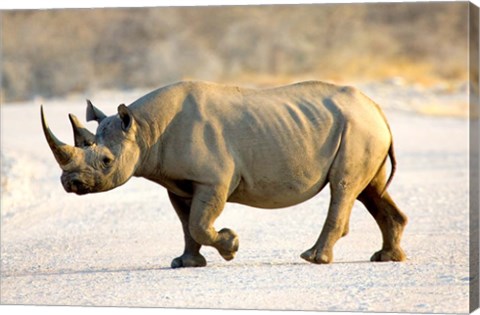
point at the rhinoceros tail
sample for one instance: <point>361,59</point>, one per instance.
<point>391,154</point>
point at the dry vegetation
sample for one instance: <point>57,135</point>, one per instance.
<point>55,52</point>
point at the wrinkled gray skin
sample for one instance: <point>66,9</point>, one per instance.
<point>209,144</point>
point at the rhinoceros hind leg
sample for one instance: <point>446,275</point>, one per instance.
<point>348,178</point>
<point>346,228</point>
<point>334,228</point>
<point>396,254</point>
<point>390,219</point>
<point>187,260</point>
<point>315,256</point>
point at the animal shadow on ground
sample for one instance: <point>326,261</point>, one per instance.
<point>94,270</point>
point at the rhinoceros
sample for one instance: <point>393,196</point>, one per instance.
<point>209,144</point>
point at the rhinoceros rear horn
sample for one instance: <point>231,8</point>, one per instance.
<point>61,151</point>
<point>94,113</point>
<point>82,137</point>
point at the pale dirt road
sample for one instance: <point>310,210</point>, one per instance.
<point>115,248</point>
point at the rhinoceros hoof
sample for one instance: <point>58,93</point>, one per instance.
<point>228,245</point>
<point>189,261</point>
<point>317,257</point>
<point>389,255</point>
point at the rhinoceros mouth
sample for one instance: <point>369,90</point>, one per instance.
<point>81,192</point>
<point>72,184</point>
<point>76,186</point>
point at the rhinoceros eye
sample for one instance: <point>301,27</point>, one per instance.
<point>107,161</point>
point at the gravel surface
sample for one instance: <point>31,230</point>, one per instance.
<point>115,248</point>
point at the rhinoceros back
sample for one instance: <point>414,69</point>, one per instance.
<point>274,147</point>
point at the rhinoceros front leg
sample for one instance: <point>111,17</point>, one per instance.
<point>191,256</point>
<point>207,204</point>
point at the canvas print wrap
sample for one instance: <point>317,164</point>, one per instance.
<point>277,157</point>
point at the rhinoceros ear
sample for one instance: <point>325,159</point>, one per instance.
<point>94,113</point>
<point>126,116</point>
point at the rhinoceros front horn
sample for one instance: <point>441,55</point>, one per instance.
<point>61,151</point>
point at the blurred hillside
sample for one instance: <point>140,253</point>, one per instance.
<point>51,53</point>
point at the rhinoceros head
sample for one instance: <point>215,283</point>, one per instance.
<point>97,162</point>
